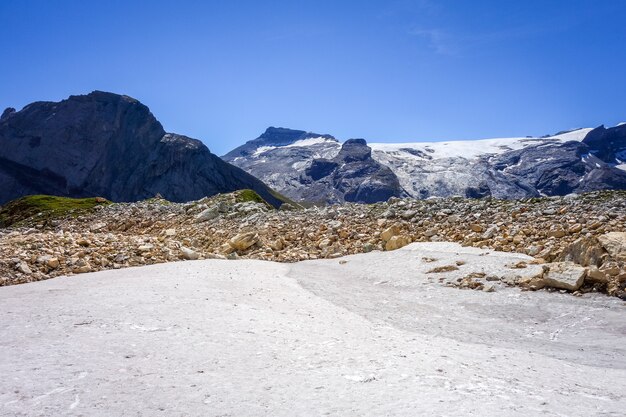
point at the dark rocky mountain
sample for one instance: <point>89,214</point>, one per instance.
<point>109,145</point>
<point>351,176</point>
<point>273,137</point>
<point>317,168</point>
<point>569,162</point>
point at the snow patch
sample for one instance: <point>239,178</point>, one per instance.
<point>299,143</point>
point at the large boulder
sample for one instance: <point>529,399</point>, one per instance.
<point>564,275</point>
<point>615,244</point>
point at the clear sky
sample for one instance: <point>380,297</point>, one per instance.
<point>223,71</point>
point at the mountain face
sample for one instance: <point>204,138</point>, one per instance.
<point>317,168</point>
<point>108,145</point>
<point>576,161</point>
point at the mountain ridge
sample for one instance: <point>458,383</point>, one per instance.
<point>109,145</point>
<point>578,160</point>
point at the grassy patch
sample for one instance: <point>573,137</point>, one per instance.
<point>243,196</point>
<point>44,207</point>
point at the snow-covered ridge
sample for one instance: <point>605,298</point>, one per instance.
<point>446,149</point>
<point>298,143</point>
<point>474,148</point>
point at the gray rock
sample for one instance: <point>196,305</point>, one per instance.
<point>207,214</point>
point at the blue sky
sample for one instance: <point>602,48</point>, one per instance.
<point>223,71</point>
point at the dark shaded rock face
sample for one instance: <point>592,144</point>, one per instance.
<point>108,145</point>
<point>609,145</point>
<point>482,190</point>
<point>559,169</point>
<point>351,176</point>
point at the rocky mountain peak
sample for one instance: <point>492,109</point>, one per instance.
<point>6,113</point>
<point>354,150</point>
<point>110,145</point>
<point>275,137</point>
<point>609,145</point>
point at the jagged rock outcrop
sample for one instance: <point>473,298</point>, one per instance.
<point>351,176</point>
<point>609,145</point>
<point>110,145</point>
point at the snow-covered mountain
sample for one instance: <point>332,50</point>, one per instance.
<point>305,165</point>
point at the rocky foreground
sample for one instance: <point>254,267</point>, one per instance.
<point>579,241</point>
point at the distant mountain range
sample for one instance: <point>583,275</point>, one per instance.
<point>314,167</point>
<point>109,145</point>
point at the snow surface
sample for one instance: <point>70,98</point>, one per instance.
<point>366,335</point>
<point>473,148</point>
<point>299,143</point>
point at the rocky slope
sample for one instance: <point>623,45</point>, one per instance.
<point>578,242</point>
<point>578,161</point>
<point>109,145</point>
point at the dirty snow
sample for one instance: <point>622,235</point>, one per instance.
<point>365,335</point>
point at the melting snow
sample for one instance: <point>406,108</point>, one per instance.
<point>474,148</point>
<point>298,143</point>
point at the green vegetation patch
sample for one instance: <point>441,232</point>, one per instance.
<point>243,196</point>
<point>38,208</point>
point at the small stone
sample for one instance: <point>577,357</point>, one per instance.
<point>390,232</point>
<point>189,254</point>
<point>52,263</point>
<point>396,242</point>
<point>206,215</point>
<point>476,228</point>
<point>24,269</point>
<point>594,275</point>
<point>243,241</point>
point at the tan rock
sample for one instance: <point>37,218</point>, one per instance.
<point>243,241</point>
<point>615,244</point>
<point>396,242</point>
<point>564,275</point>
<point>52,263</point>
<point>390,232</point>
<point>595,276</point>
<point>82,268</point>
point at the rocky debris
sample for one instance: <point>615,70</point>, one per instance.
<point>153,231</point>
